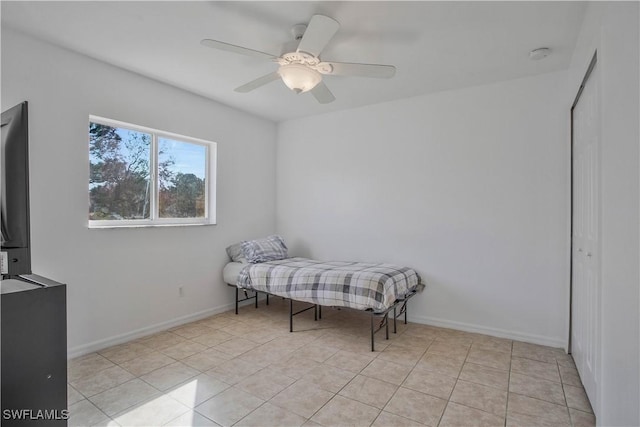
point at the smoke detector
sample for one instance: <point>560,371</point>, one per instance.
<point>540,53</point>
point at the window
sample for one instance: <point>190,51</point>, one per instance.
<point>140,176</point>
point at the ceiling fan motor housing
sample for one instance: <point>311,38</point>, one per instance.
<point>307,60</point>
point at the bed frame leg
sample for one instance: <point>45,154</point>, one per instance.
<point>236,300</point>
<point>290,315</point>
<point>319,312</point>
<point>315,313</point>
<point>395,316</point>
<point>372,335</point>
<point>267,299</point>
<point>256,299</point>
<point>386,325</point>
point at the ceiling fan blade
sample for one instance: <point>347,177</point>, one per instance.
<point>260,81</point>
<point>322,93</point>
<point>237,49</point>
<point>320,30</point>
<point>362,70</point>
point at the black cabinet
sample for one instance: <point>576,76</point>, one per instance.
<point>34,352</point>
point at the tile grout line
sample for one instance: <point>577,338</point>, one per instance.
<point>484,385</point>
<point>564,394</point>
<point>233,385</point>
<point>454,385</point>
<point>403,381</point>
<point>405,378</point>
<point>337,393</point>
<point>269,400</point>
<point>506,409</point>
<point>160,393</point>
<point>139,377</point>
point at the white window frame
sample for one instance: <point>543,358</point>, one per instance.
<point>154,219</point>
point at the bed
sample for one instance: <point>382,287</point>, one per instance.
<point>377,289</point>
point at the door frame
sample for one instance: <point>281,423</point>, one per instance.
<point>592,64</point>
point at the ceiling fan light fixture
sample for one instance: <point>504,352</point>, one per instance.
<point>299,78</point>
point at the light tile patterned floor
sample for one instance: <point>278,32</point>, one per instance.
<point>248,370</point>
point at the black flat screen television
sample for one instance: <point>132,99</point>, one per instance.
<point>16,254</point>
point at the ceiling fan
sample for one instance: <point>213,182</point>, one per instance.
<point>301,68</point>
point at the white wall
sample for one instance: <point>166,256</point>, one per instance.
<point>470,187</point>
<point>123,282</point>
<point>612,29</point>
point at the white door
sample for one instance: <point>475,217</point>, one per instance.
<point>585,301</point>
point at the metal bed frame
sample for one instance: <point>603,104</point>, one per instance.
<point>317,315</point>
<point>246,296</point>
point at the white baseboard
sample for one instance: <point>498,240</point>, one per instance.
<point>501,333</point>
<point>425,320</point>
<point>142,332</point>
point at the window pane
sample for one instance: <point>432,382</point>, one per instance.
<point>119,178</point>
<point>182,171</point>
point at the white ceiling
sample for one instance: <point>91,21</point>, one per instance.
<point>434,45</point>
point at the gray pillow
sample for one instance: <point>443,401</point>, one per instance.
<point>235,253</point>
<point>270,248</point>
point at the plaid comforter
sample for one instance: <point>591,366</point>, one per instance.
<point>346,284</point>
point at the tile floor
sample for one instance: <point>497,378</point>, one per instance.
<point>248,370</point>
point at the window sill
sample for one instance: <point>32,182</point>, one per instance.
<point>111,226</point>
